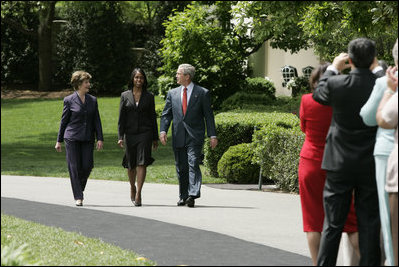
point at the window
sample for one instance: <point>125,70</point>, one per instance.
<point>288,73</point>
<point>307,71</point>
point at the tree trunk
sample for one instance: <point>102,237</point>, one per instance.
<point>46,17</point>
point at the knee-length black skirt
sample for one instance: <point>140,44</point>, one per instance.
<point>137,150</point>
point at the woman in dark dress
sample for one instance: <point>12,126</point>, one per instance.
<point>137,131</point>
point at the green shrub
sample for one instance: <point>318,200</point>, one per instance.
<point>299,86</point>
<point>103,51</point>
<point>236,127</point>
<point>240,99</point>
<point>152,84</point>
<point>197,36</point>
<point>165,84</point>
<point>277,147</point>
<point>19,52</point>
<point>261,86</point>
<point>236,165</point>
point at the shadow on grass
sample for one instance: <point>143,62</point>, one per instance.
<point>36,156</point>
<point>13,103</point>
<point>41,151</point>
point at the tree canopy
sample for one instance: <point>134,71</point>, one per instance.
<point>197,36</point>
<point>327,26</point>
<point>215,36</point>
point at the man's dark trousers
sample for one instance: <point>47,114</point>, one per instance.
<point>188,171</point>
<point>337,196</point>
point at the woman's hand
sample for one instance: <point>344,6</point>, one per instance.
<point>392,80</point>
<point>58,147</point>
<point>100,145</point>
<point>120,143</point>
<point>155,144</point>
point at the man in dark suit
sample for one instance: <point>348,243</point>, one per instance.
<point>189,106</point>
<point>348,156</point>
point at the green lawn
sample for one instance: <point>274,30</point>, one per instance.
<point>29,130</point>
<point>50,246</point>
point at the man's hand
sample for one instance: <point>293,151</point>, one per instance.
<point>340,62</point>
<point>163,138</point>
<point>213,142</point>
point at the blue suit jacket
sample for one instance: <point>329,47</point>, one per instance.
<point>188,129</point>
<point>80,121</point>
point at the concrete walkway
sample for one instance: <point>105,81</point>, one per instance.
<point>226,227</point>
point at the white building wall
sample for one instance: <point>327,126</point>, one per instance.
<point>267,62</point>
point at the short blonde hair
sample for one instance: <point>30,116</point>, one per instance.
<point>78,77</point>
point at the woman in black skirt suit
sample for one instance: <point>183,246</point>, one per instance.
<point>137,131</point>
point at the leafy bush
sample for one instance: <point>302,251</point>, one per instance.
<point>197,36</point>
<point>236,127</point>
<point>299,86</point>
<point>282,104</point>
<point>166,83</point>
<point>105,52</point>
<point>261,86</point>
<point>236,165</point>
<point>19,56</point>
<point>152,84</point>
<point>277,147</point>
<point>240,99</point>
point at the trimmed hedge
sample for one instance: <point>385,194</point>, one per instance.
<point>237,127</point>
<point>240,99</point>
<point>237,167</point>
<point>260,85</point>
<point>277,147</point>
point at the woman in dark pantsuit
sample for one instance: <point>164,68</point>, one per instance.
<point>138,130</point>
<point>80,121</point>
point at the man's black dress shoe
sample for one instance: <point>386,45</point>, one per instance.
<point>181,202</point>
<point>190,202</point>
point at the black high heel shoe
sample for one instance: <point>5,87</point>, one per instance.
<point>133,196</point>
<point>137,203</point>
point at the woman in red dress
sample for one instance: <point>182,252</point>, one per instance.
<point>315,122</point>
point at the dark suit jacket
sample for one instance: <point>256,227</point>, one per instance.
<point>350,143</point>
<point>140,119</point>
<point>80,121</point>
<point>188,129</point>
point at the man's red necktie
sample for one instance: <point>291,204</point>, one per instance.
<point>184,101</point>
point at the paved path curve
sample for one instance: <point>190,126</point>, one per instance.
<point>227,227</point>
